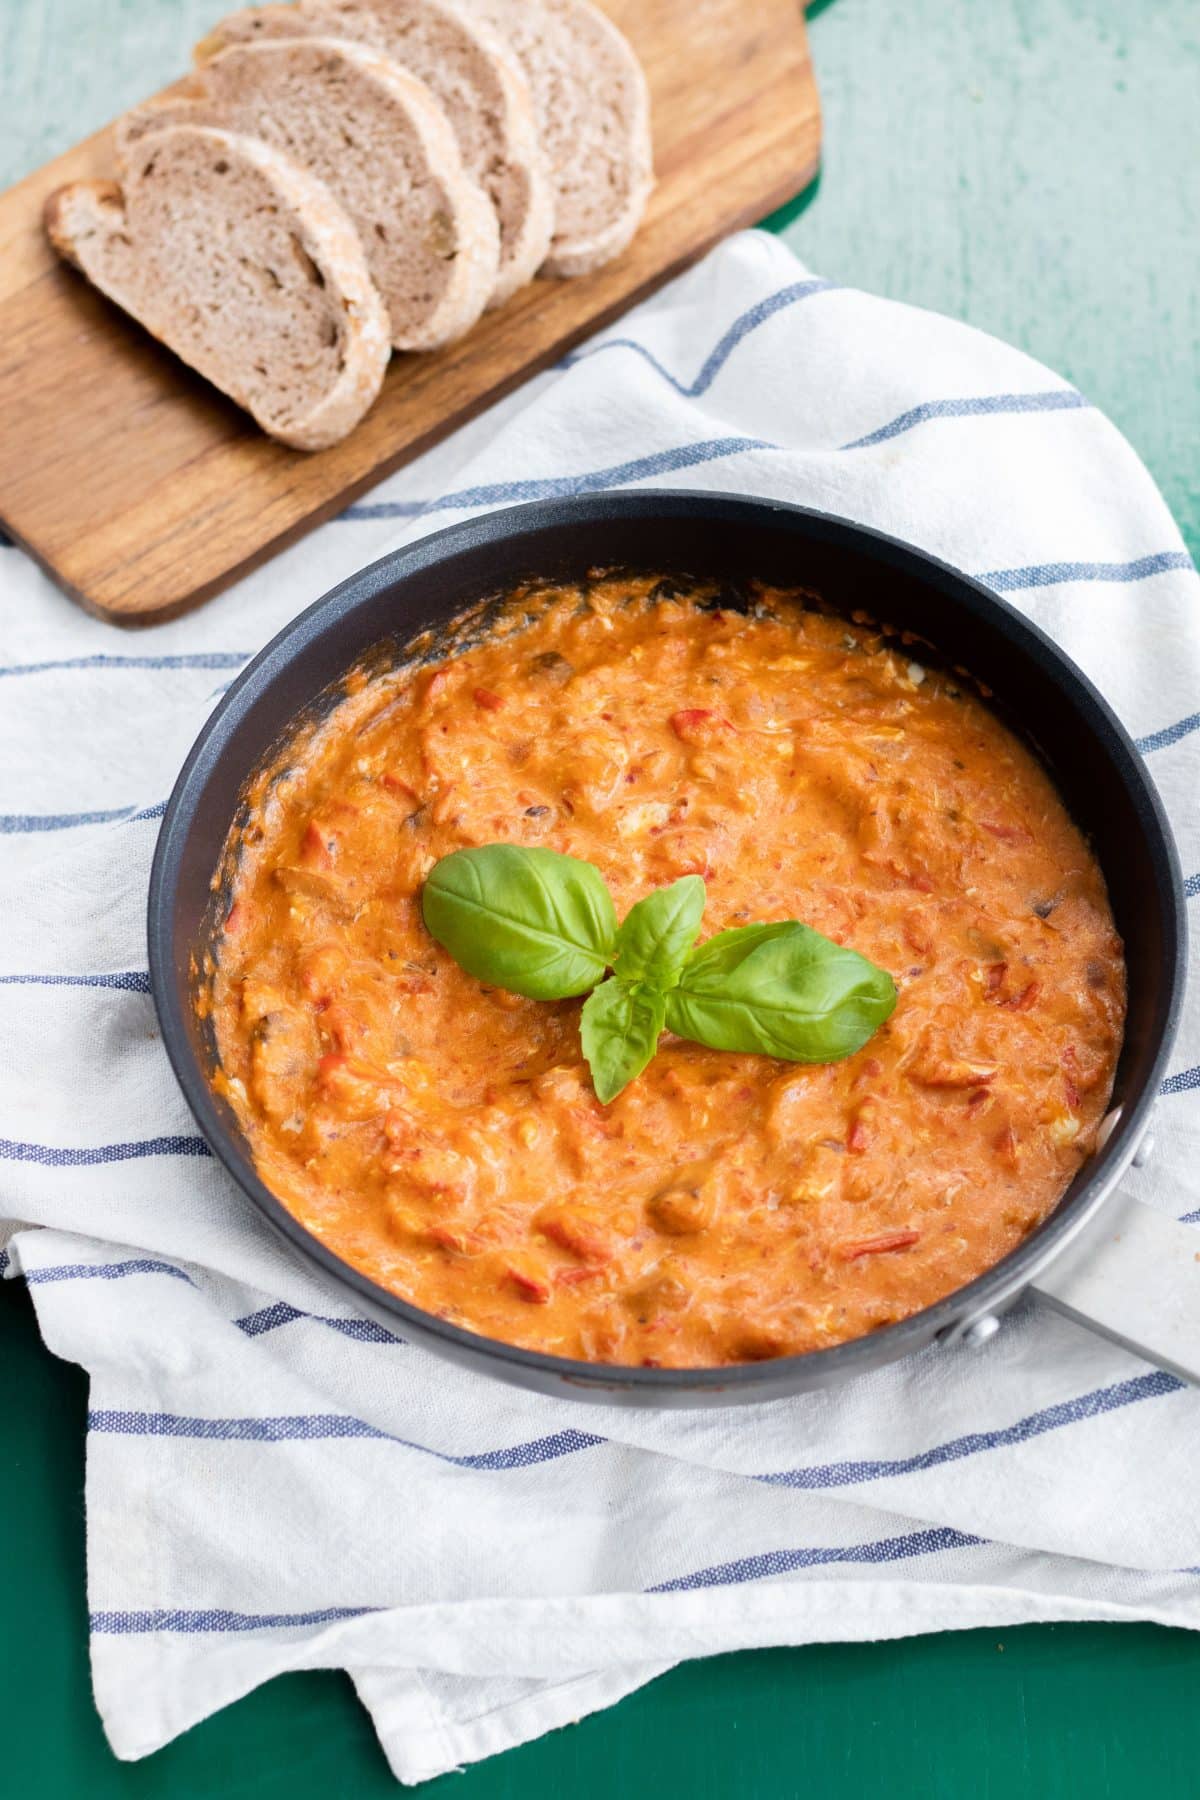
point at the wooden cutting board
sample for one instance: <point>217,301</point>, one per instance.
<point>143,491</point>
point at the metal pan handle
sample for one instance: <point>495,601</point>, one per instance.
<point>1134,1277</point>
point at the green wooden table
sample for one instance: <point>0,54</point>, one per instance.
<point>1029,165</point>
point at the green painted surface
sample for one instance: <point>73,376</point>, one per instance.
<point>1029,165</point>
<point>1032,166</point>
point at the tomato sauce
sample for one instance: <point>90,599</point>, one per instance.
<point>443,1137</point>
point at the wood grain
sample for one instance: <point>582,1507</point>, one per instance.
<point>143,491</point>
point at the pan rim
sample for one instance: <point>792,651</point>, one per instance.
<point>991,1291</point>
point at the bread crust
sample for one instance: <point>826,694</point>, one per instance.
<point>240,78</point>
<point>57,209</point>
<point>572,43</point>
<point>508,161</point>
<point>84,216</point>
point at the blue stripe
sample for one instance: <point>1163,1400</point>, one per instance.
<point>747,322</point>
<point>929,1541</point>
<point>286,1428</point>
<point>363,1331</point>
<point>1191,887</point>
<point>503,493</point>
<point>714,449</point>
<point>829,1475</point>
<point>129,981</point>
<point>123,1624</point>
<point>12,824</point>
<point>1086,1406</point>
<point>1052,400</point>
<point>1052,1418</point>
<point>747,1568</point>
<point>1170,734</point>
<point>1036,575</point>
<point>314,1427</point>
<point>1191,1218</point>
<point>203,659</point>
<point>522,1456</point>
<point>1183,1083</point>
<point>318,1426</point>
<point>1091,1405</point>
<point>785,1562</point>
<point>54,1156</point>
<point>270,1318</point>
<point>115,1271</point>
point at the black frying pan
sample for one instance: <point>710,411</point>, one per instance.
<point>1038,691</point>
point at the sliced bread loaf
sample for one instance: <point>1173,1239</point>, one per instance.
<point>380,142</point>
<point>478,81</point>
<point>245,266</point>
<point>593,114</point>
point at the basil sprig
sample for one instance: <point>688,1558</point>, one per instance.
<point>544,925</point>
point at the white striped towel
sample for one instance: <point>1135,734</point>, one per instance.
<point>273,1483</point>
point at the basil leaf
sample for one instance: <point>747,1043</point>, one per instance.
<point>619,1028</point>
<point>781,990</point>
<point>532,921</point>
<point>658,932</point>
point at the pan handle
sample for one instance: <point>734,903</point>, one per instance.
<point>1134,1276</point>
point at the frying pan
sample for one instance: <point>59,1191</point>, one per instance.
<point>1100,1256</point>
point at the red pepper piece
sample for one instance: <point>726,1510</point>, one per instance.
<point>698,725</point>
<point>879,1246</point>
<point>858,1137</point>
<point>530,1287</point>
<point>447,1237</point>
<point>314,848</point>
<point>1006,1145</point>
<point>577,1230</point>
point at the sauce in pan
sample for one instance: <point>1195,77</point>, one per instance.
<point>444,1138</point>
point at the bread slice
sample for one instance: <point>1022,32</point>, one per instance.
<point>380,142</point>
<point>593,113</point>
<point>478,81</point>
<point>245,266</point>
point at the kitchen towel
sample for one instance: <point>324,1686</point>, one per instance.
<point>275,1483</point>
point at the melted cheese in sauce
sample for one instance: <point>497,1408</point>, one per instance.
<point>444,1138</point>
